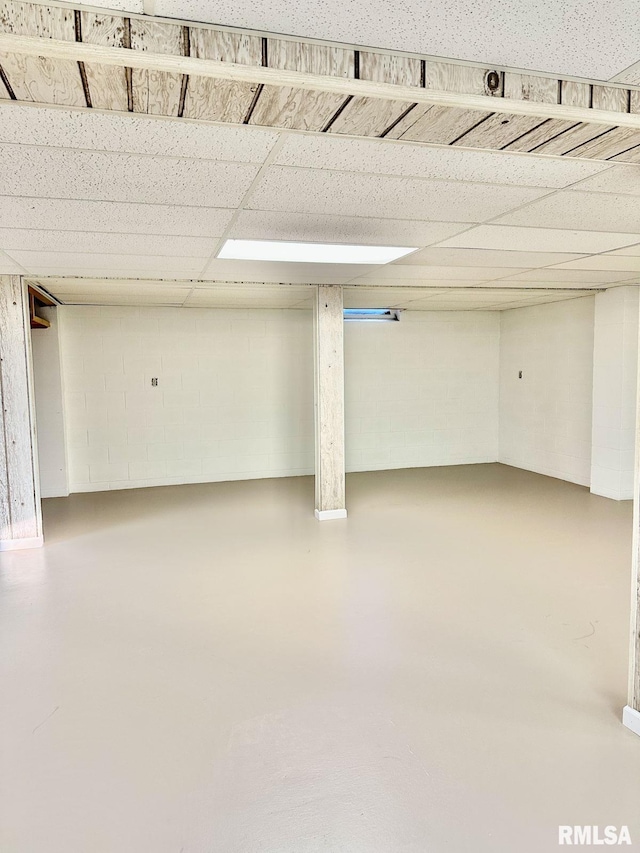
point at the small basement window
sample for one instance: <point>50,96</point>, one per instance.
<point>376,315</point>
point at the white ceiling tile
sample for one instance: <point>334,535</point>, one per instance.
<point>273,225</point>
<point>628,251</point>
<point>374,282</point>
<point>277,271</point>
<point>452,164</point>
<point>351,194</point>
<point>135,134</point>
<point>616,179</point>
<point>382,297</point>
<point>114,217</point>
<point>133,293</point>
<point>572,276</point>
<point>432,273</point>
<point>546,284</point>
<point>104,176</point>
<point>484,258</point>
<point>134,6</point>
<point>8,266</point>
<point>582,40</point>
<point>539,239</point>
<point>243,295</point>
<point>610,261</point>
<point>580,211</point>
<point>76,263</point>
<point>87,242</point>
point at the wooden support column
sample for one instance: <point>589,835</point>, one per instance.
<point>631,713</point>
<point>328,327</point>
<point>20,513</point>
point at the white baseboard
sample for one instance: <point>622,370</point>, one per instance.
<point>631,719</point>
<point>329,514</point>
<point>19,544</point>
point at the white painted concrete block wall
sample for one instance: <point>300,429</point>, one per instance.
<point>423,391</point>
<point>545,417</point>
<point>50,424</point>
<point>235,393</point>
<point>615,364</point>
<point>234,398</point>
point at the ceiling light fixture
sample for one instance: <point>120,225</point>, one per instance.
<point>311,253</point>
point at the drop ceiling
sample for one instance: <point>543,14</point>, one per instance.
<point>101,199</point>
<point>596,40</point>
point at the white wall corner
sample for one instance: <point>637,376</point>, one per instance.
<point>631,719</point>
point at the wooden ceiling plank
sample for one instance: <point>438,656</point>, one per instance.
<point>44,81</point>
<point>369,116</point>
<point>436,124</point>
<point>35,78</point>
<point>296,109</point>
<point>156,92</point>
<point>108,85</point>
<point>498,130</point>
<point>610,145</point>
<point>571,138</point>
<point>300,109</point>
<point>552,127</point>
<point>374,116</point>
<point>221,100</point>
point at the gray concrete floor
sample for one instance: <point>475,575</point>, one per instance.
<point>207,668</point>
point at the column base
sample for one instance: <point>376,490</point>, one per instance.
<point>631,719</point>
<point>19,544</point>
<point>329,514</point>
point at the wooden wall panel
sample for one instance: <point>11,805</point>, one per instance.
<point>610,98</point>
<point>302,109</point>
<point>448,77</point>
<point>156,92</point>
<point>436,124</point>
<point>221,100</point>
<point>107,84</point>
<point>574,94</point>
<point>526,87</point>
<point>28,19</point>
<point>20,518</point>
<point>569,140</point>
<point>382,68</point>
<point>498,130</point>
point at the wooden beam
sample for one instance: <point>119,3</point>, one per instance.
<point>20,514</point>
<point>55,49</point>
<point>328,326</point>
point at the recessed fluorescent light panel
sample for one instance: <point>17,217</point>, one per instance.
<point>311,253</point>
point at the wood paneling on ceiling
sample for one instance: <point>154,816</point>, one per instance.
<point>142,64</point>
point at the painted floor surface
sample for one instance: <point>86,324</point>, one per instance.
<point>207,669</point>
